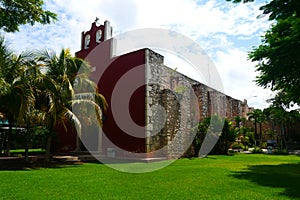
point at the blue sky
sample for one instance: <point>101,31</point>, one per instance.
<point>226,31</point>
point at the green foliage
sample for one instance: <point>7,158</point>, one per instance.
<point>202,128</point>
<point>281,9</point>
<point>227,137</point>
<point>238,121</point>
<point>14,13</point>
<point>249,138</point>
<point>214,124</point>
<point>30,99</point>
<point>258,117</point>
<point>285,120</point>
<point>65,73</point>
<point>16,96</point>
<point>281,152</point>
<point>280,46</point>
<point>264,145</point>
<point>278,55</point>
<point>257,150</point>
<point>30,150</point>
<point>277,9</point>
<point>238,146</point>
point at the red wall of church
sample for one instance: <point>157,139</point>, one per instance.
<point>106,85</point>
<point>108,72</point>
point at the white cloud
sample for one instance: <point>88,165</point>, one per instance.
<point>238,75</point>
<point>218,26</point>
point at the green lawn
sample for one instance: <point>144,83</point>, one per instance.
<point>214,177</point>
<point>29,150</point>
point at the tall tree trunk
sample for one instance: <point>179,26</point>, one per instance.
<point>273,128</point>
<point>48,147</point>
<point>9,136</point>
<point>49,141</point>
<point>244,138</point>
<point>281,136</point>
<point>260,134</point>
<point>284,136</point>
<point>27,143</point>
<point>255,132</point>
<point>26,151</point>
<point>2,141</point>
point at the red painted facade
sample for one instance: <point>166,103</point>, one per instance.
<point>108,70</point>
<point>106,85</point>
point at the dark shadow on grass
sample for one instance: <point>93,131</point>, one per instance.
<point>18,163</point>
<point>209,157</point>
<point>15,164</point>
<point>285,176</point>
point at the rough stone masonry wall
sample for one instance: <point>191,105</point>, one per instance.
<point>167,114</point>
<point>167,117</point>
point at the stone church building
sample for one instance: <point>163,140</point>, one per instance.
<point>158,116</point>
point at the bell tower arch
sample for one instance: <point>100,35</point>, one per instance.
<point>90,39</point>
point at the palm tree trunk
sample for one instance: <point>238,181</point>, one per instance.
<point>284,136</point>
<point>281,135</point>
<point>2,141</point>
<point>255,132</point>
<point>9,136</point>
<point>48,147</point>
<point>26,152</point>
<point>26,144</point>
<point>260,134</point>
<point>48,144</point>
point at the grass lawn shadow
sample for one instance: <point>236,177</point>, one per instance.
<point>20,164</point>
<point>286,176</point>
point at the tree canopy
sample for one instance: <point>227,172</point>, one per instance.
<point>31,98</point>
<point>14,13</point>
<point>278,54</point>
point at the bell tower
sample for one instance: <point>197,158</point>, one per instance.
<point>96,35</point>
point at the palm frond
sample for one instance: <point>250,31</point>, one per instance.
<point>86,104</point>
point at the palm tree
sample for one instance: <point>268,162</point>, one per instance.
<point>258,117</point>
<point>280,117</point>
<point>57,88</point>
<point>15,96</point>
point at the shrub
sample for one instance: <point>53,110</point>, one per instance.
<point>238,146</point>
<point>281,152</point>
<point>257,150</point>
<point>264,145</point>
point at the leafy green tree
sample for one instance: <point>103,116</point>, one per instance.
<point>57,93</point>
<point>238,120</point>
<point>278,54</point>
<point>201,131</point>
<point>14,13</point>
<point>278,9</point>
<point>225,138</point>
